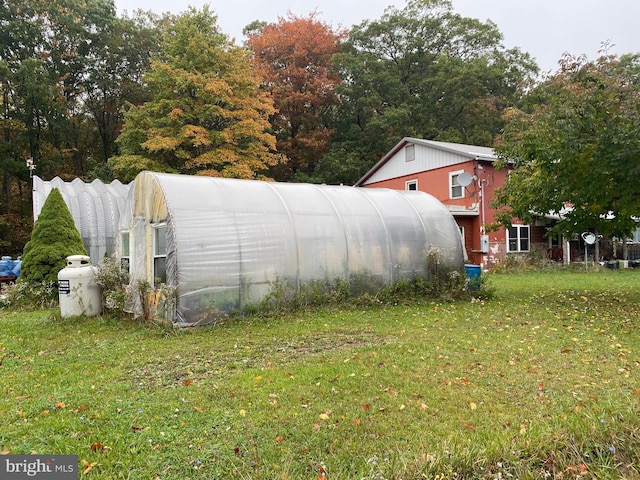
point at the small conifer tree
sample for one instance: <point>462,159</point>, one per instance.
<point>54,238</point>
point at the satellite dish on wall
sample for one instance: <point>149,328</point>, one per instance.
<point>465,179</point>
<point>589,238</point>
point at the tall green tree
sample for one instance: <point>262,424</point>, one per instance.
<point>48,49</point>
<point>421,71</point>
<point>114,74</point>
<point>66,68</point>
<point>574,149</point>
<point>207,114</point>
<point>54,238</point>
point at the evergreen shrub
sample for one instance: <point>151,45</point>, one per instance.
<point>53,239</point>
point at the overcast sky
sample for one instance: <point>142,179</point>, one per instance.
<point>544,28</point>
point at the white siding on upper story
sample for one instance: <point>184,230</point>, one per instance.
<point>426,158</point>
<point>424,155</point>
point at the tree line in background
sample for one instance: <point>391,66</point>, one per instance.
<point>92,95</point>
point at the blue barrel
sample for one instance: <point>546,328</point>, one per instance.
<point>6,265</point>
<point>473,273</point>
<point>17,267</point>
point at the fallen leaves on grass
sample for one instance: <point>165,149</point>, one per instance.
<point>87,466</point>
<point>98,447</point>
<point>81,408</point>
<point>580,469</point>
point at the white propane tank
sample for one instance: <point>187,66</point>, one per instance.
<point>77,289</point>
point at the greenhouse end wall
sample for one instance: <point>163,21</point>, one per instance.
<point>226,243</point>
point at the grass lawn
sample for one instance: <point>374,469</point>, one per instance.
<point>543,381</point>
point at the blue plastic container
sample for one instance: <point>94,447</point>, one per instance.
<point>473,273</point>
<point>17,267</point>
<point>6,265</point>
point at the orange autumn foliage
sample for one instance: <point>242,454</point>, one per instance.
<point>294,59</point>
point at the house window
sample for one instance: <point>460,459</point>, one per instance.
<point>518,238</point>
<point>125,248</point>
<point>455,189</point>
<point>411,185</point>
<point>410,153</point>
<point>160,253</point>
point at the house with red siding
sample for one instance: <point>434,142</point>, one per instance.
<point>464,179</point>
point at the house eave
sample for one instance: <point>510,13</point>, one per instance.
<point>461,211</point>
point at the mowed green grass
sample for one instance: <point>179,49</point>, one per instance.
<point>542,381</point>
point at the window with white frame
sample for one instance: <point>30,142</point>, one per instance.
<point>518,238</point>
<point>160,253</point>
<point>410,153</point>
<point>411,185</point>
<point>125,249</point>
<point>455,189</point>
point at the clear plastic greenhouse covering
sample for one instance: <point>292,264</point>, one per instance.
<point>224,243</point>
<point>95,208</point>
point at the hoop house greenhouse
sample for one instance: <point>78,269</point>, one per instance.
<point>224,243</point>
<point>95,208</point>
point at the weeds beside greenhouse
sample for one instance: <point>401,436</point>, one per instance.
<point>122,297</point>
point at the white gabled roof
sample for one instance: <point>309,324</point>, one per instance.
<point>454,153</point>
<point>473,151</point>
